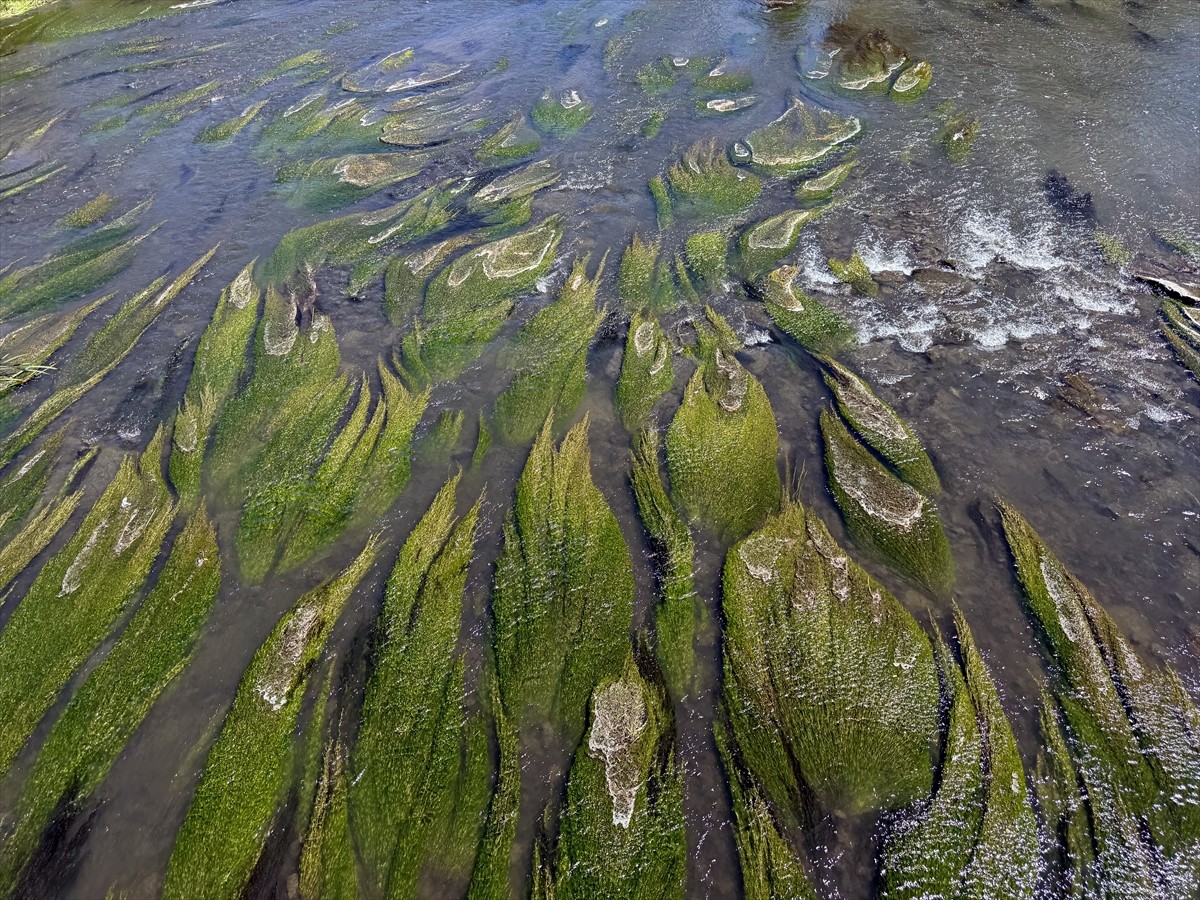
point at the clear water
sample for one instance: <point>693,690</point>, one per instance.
<point>1106,94</point>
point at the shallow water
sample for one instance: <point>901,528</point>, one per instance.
<point>990,296</point>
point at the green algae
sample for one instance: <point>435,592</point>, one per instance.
<point>1180,325</point>
<point>821,188</point>
<point>483,443</point>
<point>879,427</point>
<point>831,692</point>
<point>15,184</point>
<point>548,358</point>
<point>562,116</point>
<point>21,488</point>
<point>707,254</point>
<point>957,135</point>
<point>884,513</point>
<point>722,443</point>
<point>662,201</point>
<point>438,443</point>
<point>621,832</point>
<point>704,183</point>
<point>25,350</point>
<point>100,571</point>
<point>469,300</point>
<point>805,319</point>
<point>326,184</point>
<point>722,82</point>
<point>231,127</point>
<point>1131,733</point>
<point>799,139</point>
<point>111,704</point>
<point>91,212</point>
<point>765,243</point>
<point>657,77</point>
<point>100,355</point>
<point>517,184</point>
<point>302,68</point>
<point>854,272</point>
<point>513,141</point>
<point>653,124</point>
<point>422,757</point>
<point>405,278</point>
<point>246,774</point>
<point>676,615</point>
<point>328,868</point>
<point>646,371</point>
<point>644,280</point>
<point>912,82</point>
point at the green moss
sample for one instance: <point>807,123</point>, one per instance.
<point>100,355</point>
<point>438,443</point>
<point>705,183</point>
<point>515,140</point>
<point>804,318</point>
<point>467,302</point>
<point>957,136</point>
<point>706,257</point>
<point>91,212</point>
<point>767,242</point>
<point>854,272</point>
<point>822,187</point>
<point>220,363</point>
<point>644,280</point>
<point>561,117</point>
<point>799,139</point>
<point>657,77</point>
<point>809,637</point>
<point>884,513</point>
<point>414,749</point>
<point>549,359</point>
<point>231,127</point>
<point>118,694</point>
<point>879,427</point>
<point>653,124</point>
<point>246,775</point>
<point>26,348</point>
<point>912,82</point>
<point>662,202</point>
<point>677,611</point>
<point>646,371</point>
<point>621,832</point>
<point>80,593</point>
<point>722,445</point>
<point>1069,866</point>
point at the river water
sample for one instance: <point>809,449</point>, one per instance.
<point>994,291</point>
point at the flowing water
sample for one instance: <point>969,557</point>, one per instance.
<point>1031,365</point>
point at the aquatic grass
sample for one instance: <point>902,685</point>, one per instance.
<point>421,759</point>
<point>799,139</point>
<point>831,692</point>
<point>231,127</point>
<point>100,355</point>
<point>330,183</point>
<point>1069,864</point>
<point>704,183</point>
<point>821,188</point>
<point>621,829</point>
<point>677,612</point>
<point>438,443</point>
<point>662,201</point>
<point>722,82</point>
<point>483,443</point>
<point>644,280</point>
<point>722,444</point>
<point>707,254</point>
<point>562,116</point>
<point>110,705</point>
<point>805,319</point>
<point>646,371</point>
<point>878,426</point>
<point>1180,325</point>
<point>1131,729</point>
<point>765,243</point>
<point>854,272</point>
<point>80,593</point>
<point>90,213</point>
<point>247,771</point>
<point>406,277</point>
<point>513,141</point>
<point>21,488</point>
<point>18,183</point>
<point>302,68</point>
<point>883,513</point>
<point>548,358</point>
<point>490,877</point>
<point>327,866</point>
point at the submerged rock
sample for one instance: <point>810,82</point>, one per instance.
<point>822,187</point>
<point>765,243</point>
<point>800,138</point>
<point>804,318</point>
<point>515,140</point>
<point>854,272</point>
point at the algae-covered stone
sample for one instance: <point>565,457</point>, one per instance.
<point>854,272</point>
<point>653,124</point>
<point>804,318</point>
<point>549,359</point>
<point>646,371</point>
<point>644,280</point>
<point>869,62</point>
<point>883,512</point>
<point>820,188</point>
<point>248,770</point>
<point>621,833</point>
<point>231,127</point>
<point>705,183</point>
<point>561,116</point>
<point>957,136</point>
<point>80,593</point>
<point>707,255</point>
<point>878,426</point>
<point>422,757</point>
<point>765,243</point>
<point>514,185</point>
<point>515,140</point>
<point>722,444</point>
<point>799,139</point>
<point>830,686</point>
<point>328,183</point>
<point>913,81</point>
<point>1181,327</point>
<point>117,695</point>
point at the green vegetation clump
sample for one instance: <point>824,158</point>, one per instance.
<point>406,277</point>
<point>707,254</point>
<point>879,427</point>
<point>646,371</point>
<point>957,135</point>
<point>117,695</point>
<point>100,355</point>
<point>303,68</point>
<point>821,188</point>
<point>704,183</point>
<point>1114,249</point>
<point>883,512</point>
<point>91,212</point>
<point>799,139</point>
<point>80,593</point>
<point>854,272</point>
<point>657,77</point>
<point>549,359</point>
<point>831,692</point>
<point>1131,736</point>
<point>231,127</point>
<point>1180,325</point>
<point>329,183</point>
<point>913,81</point>
<point>653,124</point>
<point>662,201</point>
<point>621,832</point>
<point>721,82</point>
<point>561,117</point>
<point>722,443</point>
<point>424,762</point>
<point>869,62</point>
<point>25,350</point>
<point>515,140</point>
<point>438,443</point>
<point>804,318</point>
<point>765,243</point>
<point>644,280</point>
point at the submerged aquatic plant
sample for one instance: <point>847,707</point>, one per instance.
<point>957,135</point>
<point>512,141</point>
<point>704,183</point>
<point>91,212</point>
<point>646,371</point>
<point>854,272</point>
<point>765,243</point>
<point>246,775</point>
<point>821,187</point>
<point>706,255</point>
<point>231,127</point>
<point>798,139</point>
<point>1180,325</point>
<point>804,318</point>
<point>561,116</point>
<point>644,280</point>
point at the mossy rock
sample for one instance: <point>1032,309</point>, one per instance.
<point>562,116</point>
<point>767,242</point>
<point>799,139</point>
<point>957,136</point>
<point>721,82</point>
<point>705,183</point>
<point>854,272</point>
<point>515,140</point>
<point>912,82</point>
<point>869,62</point>
<point>805,319</point>
<point>822,187</point>
<point>707,257</point>
<point>883,512</point>
<point>646,370</point>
